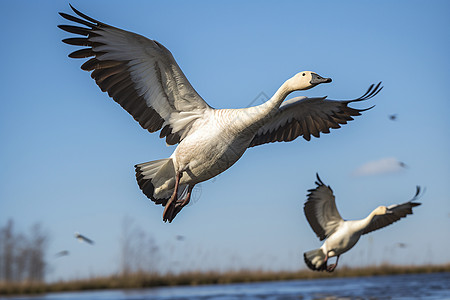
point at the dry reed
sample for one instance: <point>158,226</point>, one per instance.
<point>148,280</point>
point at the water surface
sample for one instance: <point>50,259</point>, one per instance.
<point>413,286</point>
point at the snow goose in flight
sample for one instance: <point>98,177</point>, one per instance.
<point>324,218</point>
<point>142,76</point>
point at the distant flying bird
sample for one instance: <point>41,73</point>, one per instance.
<point>324,218</point>
<point>393,117</point>
<point>143,77</point>
<point>402,164</point>
<point>82,238</point>
<point>381,166</point>
<point>401,245</point>
<point>179,237</point>
<point>62,253</point>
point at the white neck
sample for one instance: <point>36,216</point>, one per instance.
<point>362,224</point>
<point>251,118</point>
<point>278,98</point>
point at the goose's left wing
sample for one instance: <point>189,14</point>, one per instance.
<point>321,211</point>
<point>303,116</point>
<point>140,74</point>
<point>394,213</point>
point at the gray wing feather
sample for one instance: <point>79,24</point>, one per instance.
<point>321,211</point>
<point>396,212</point>
<point>138,73</point>
<point>302,116</point>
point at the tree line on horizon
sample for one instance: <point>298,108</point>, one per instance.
<point>22,256</point>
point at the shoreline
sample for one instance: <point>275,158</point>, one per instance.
<point>193,278</point>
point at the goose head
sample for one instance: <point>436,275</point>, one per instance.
<point>306,80</point>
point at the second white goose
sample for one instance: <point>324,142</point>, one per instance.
<point>324,218</point>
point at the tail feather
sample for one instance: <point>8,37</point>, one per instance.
<point>315,260</point>
<point>156,179</point>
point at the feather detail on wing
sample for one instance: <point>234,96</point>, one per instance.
<point>303,116</point>
<point>320,210</point>
<point>395,213</point>
<point>138,73</point>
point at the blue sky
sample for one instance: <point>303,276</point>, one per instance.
<point>68,151</point>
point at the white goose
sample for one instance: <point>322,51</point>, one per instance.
<point>324,218</point>
<point>142,76</point>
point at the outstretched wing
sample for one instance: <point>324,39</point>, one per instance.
<point>138,73</point>
<point>302,116</point>
<point>394,213</point>
<point>320,210</point>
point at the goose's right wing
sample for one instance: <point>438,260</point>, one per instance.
<point>303,116</point>
<point>138,73</point>
<point>395,212</point>
<point>321,211</point>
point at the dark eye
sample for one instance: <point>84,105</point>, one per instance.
<point>303,74</point>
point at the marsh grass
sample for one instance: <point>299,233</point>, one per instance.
<point>149,280</point>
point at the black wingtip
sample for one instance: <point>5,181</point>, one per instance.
<point>371,92</point>
<point>419,193</point>
<point>377,89</point>
<point>85,16</point>
<point>78,20</point>
<point>365,109</point>
<point>417,190</point>
<point>319,181</point>
<point>73,8</point>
